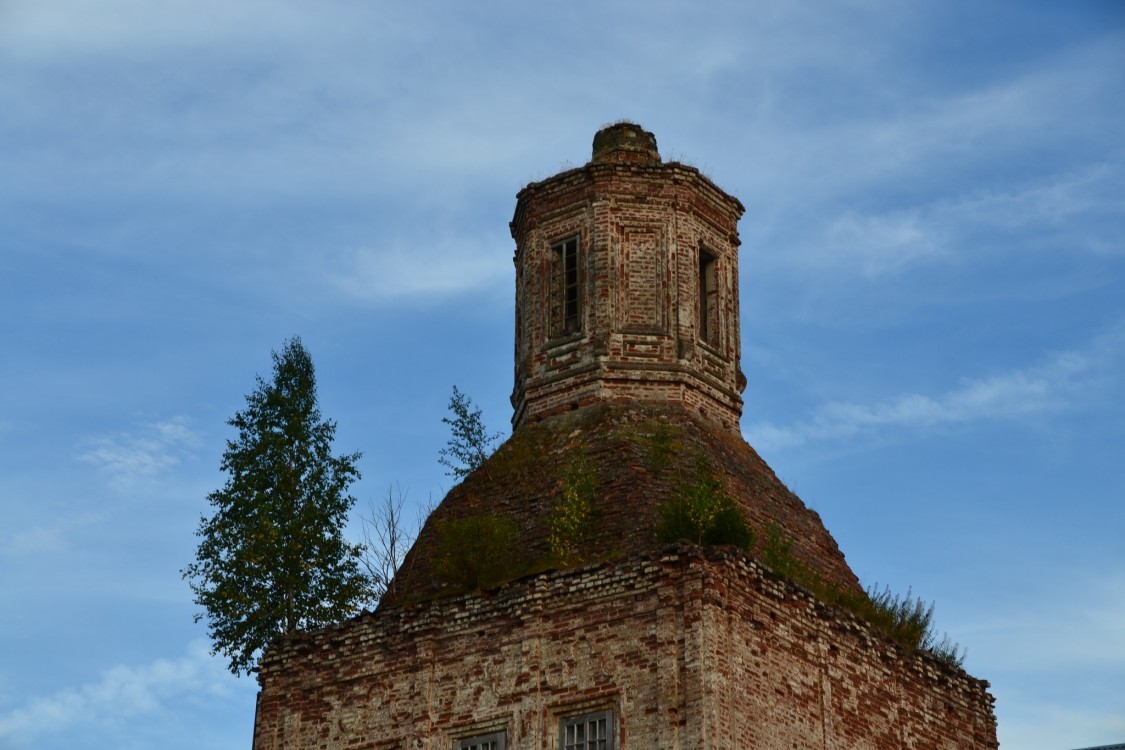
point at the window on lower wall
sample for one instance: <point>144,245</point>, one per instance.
<point>493,741</point>
<point>587,732</point>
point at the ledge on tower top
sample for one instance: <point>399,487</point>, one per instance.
<point>625,143</point>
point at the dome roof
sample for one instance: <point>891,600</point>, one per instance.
<point>638,456</point>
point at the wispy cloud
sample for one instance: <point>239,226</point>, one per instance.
<point>152,450</point>
<point>971,225</point>
<point>1016,117</point>
<point>952,177</point>
<point>121,27</point>
<point>446,267</point>
<point>1048,385</point>
<point>122,692</point>
<point>880,244</point>
<point>50,538</point>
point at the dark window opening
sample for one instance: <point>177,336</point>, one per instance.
<point>493,741</point>
<point>708,298</point>
<point>587,732</point>
<point>565,287</point>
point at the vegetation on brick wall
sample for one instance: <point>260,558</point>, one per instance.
<point>907,619</point>
<point>663,441</point>
<point>387,537</point>
<point>703,513</point>
<point>911,619</point>
<point>483,551</point>
<point>570,524</point>
<point>477,552</point>
<point>776,551</point>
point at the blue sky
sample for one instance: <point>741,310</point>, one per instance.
<point>933,298</point>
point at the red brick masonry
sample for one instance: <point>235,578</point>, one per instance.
<point>691,648</point>
<point>641,226</point>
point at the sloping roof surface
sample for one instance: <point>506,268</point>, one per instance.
<point>640,455</point>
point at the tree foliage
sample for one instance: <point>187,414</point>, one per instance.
<point>272,559</point>
<point>470,443</point>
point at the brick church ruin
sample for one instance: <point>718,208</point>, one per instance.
<point>543,607</point>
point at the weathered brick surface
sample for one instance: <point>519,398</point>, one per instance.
<point>690,648</point>
<point>641,226</point>
<point>642,455</point>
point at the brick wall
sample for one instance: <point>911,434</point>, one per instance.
<point>641,225</point>
<point>643,455</point>
<point>690,648</point>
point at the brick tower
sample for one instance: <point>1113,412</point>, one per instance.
<point>627,286</point>
<point>627,398</point>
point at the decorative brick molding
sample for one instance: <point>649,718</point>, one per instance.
<point>643,229</point>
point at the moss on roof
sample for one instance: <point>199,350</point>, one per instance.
<point>640,456</point>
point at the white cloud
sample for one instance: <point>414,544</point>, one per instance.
<point>941,177</point>
<point>121,693</point>
<point>154,449</point>
<point>66,28</point>
<point>967,226</point>
<point>44,539</point>
<point>445,267</point>
<point>1008,395</point>
<point>877,245</point>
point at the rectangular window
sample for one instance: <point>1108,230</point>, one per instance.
<point>565,287</point>
<point>708,298</point>
<point>587,732</point>
<point>494,741</point>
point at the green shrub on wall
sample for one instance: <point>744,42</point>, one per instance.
<point>570,524</point>
<point>907,619</point>
<point>476,552</point>
<point>702,513</point>
<point>910,620</point>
